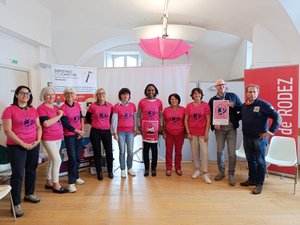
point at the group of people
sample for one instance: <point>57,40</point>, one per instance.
<point>25,127</point>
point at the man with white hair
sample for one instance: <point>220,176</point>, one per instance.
<point>226,132</point>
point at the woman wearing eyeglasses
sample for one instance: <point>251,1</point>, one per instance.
<point>73,124</point>
<point>50,116</point>
<point>22,128</point>
<point>99,116</point>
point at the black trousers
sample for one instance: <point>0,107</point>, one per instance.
<point>96,136</point>
<point>22,160</point>
<point>146,150</point>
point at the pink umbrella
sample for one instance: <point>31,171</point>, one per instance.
<point>164,48</point>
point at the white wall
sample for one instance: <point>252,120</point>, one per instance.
<point>239,62</point>
<point>27,20</point>
<point>268,50</point>
<point>27,56</point>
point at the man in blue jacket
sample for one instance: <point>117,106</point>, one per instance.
<point>255,114</point>
<point>226,132</point>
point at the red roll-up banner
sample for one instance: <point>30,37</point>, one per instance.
<point>279,86</point>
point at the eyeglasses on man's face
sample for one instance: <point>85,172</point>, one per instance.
<point>25,93</point>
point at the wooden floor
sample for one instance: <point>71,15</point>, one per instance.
<point>161,200</point>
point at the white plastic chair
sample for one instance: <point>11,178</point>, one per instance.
<point>5,190</point>
<point>240,153</point>
<point>5,172</point>
<point>283,152</point>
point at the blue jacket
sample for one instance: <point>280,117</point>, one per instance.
<point>233,112</point>
<point>255,118</point>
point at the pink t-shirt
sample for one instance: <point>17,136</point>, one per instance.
<point>150,110</point>
<point>74,117</point>
<point>197,118</point>
<point>23,123</point>
<point>174,120</point>
<point>125,116</point>
<point>55,131</point>
<point>101,115</point>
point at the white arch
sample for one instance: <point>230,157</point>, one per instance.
<point>104,45</point>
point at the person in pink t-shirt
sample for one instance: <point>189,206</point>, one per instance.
<point>99,116</point>
<point>50,116</point>
<point>72,121</point>
<point>197,122</point>
<point>173,121</point>
<point>149,119</point>
<point>22,127</point>
<point>124,129</point>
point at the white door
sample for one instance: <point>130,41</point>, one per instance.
<point>10,79</point>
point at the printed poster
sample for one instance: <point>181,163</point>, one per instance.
<point>83,79</point>
<point>150,130</point>
<point>220,112</point>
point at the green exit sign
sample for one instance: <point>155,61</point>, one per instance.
<point>14,61</point>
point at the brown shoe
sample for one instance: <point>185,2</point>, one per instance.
<point>248,183</point>
<point>257,190</point>
<point>179,172</point>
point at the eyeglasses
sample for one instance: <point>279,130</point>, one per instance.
<point>25,93</point>
<point>220,85</point>
<point>69,93</point>
<point>101,93</point>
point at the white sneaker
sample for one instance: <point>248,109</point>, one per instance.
<point>72,188</point>
<point>123,174</point>
<point>131,172</point>
<point>80,181</point>
<point>196,174</point>
<point>205,177</point>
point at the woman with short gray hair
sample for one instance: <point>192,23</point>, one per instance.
<point>73,124</point>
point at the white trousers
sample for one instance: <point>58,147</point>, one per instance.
<point>52,148</point>
<point>195,143</point>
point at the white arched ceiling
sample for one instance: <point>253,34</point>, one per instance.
<point>83,27</point>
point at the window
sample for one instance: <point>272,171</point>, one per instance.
<point>122,59</point>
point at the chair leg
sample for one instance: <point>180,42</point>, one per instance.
<point>12,206</point>
<point>135,153</point>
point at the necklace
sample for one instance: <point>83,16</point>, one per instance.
<point>23,108</point>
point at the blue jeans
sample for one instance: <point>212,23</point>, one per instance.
<point>74,147</point>
<point>126,140</point>
<point>22,160</point>
<point>228,134</point>
<point>255,149</point>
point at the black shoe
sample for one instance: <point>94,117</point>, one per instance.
<point>100,176</point>
<point>257,190</point>
<point>153,173</point>
<point>62,190</point>
<point>49,187</point>
<point>248,183</point>
<point>146,173</point>
<point>110,175</point>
